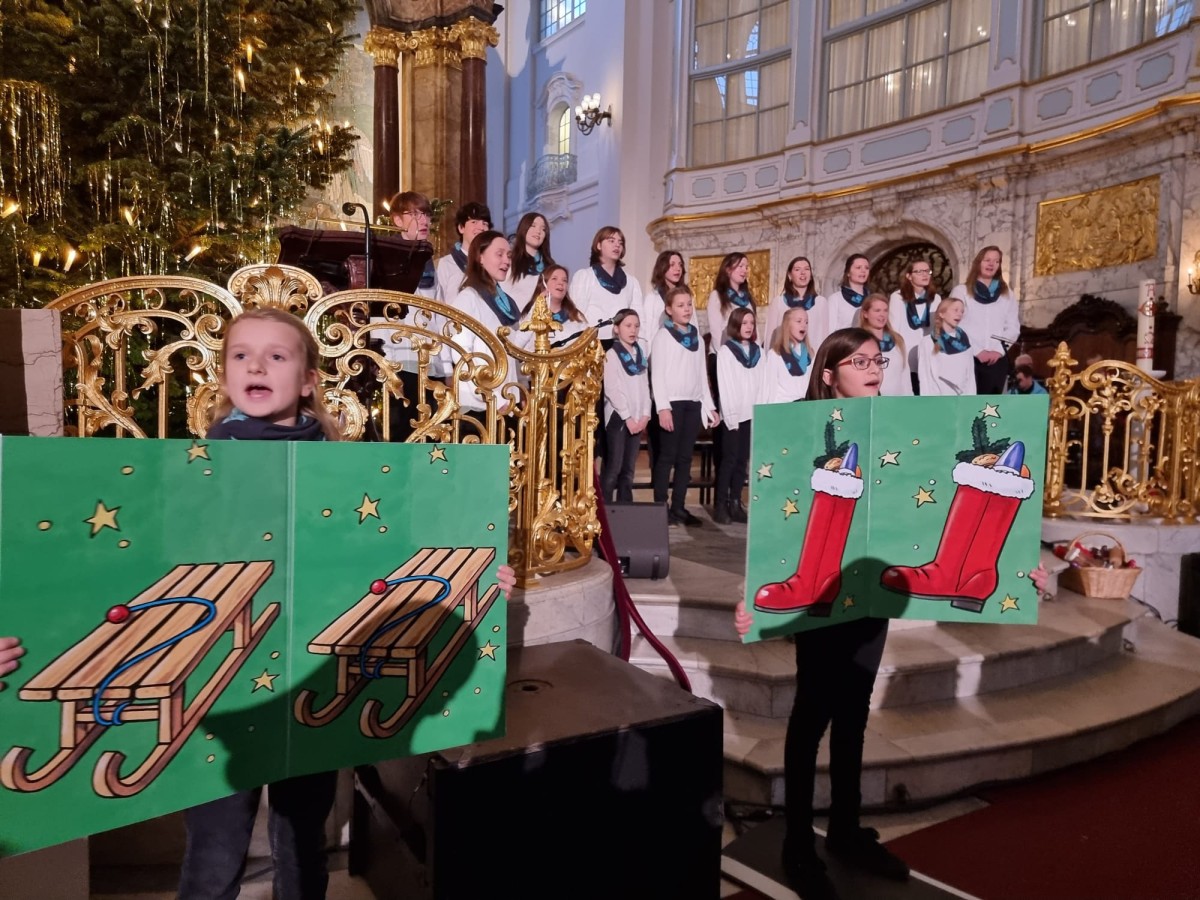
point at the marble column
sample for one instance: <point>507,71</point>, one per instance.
<point>473,37</point>
<point>383,45</point>
<point>435,121</point>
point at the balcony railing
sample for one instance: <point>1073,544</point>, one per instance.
<point>554,170</point>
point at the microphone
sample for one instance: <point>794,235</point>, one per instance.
<point>348,208</point>
<point>570,337</point>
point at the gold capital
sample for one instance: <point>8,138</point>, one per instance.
<point>384,45</point>
<point>473,37</point>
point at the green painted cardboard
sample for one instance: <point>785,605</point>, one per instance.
<point>896,558</point>
<point>300,531</point>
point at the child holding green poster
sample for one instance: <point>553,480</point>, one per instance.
<point>10,652</point>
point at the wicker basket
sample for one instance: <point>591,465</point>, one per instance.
<point>1097,581</point>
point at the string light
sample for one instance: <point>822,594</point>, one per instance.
<point>72,255</point>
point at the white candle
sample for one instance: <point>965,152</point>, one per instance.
<point>1145,331</point>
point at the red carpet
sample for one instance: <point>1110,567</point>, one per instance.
<point>1125,826</point>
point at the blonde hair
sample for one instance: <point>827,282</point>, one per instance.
<point>310,406</point>
<point>781,340</point>
<point>938,328</point>
<point>887,326</point>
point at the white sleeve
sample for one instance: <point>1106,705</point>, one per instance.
<point>707,407</point>
<point>931,385</point>
<point>580,294</point>
<point>1010,325</point>
<point>658,370</point>
<point>730,391</point>
<point>636,297</point>
<point>615,384</point>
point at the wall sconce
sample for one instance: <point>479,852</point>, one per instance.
<point>588,114</point>
<point>1193,285</point>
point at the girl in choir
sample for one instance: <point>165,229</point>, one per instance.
<point>993,317</point>
<point>741,374</point>
<point>679,384</point>
<point>799,292</point>
<point>604,289</point>
<point>945,361</point>
<point>668,273</point>
<point>553,283</point>
<point>789,361</point>
<point>483,298</point>
<point>873,317</point>
<point>731,290</point>
<point>626,407</point>
<point>835,674</point>
<point>530,258</point>
<point>841,306</point>
<point>910,310</point>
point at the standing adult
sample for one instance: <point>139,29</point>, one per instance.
<point>842,305</point>
<point>530,257</point>
<point>799,292</point>
<point>668,272</point>
<point>873,317</point>
<point>991,316</point>
<point>604,288</point>
<point>911,307</point>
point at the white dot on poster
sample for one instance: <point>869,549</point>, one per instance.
<point>1020,574</point>
<point>210,758</point>
<point>44,525</point>
<point>445,713</point>
<point>275,655</point>
<point>495,629</point>
<point>477,690</point>
<point>783,562</point>
<point>122,544</point>
<point>385,469</point>
<point>383,529</point>
<point>208,471</point>
<point>491,526</point>
<point>796,492</point>
<point>915,442</point>
<point>755,497</point>
<point>209,736</point>
<point>784,451</point>
<point>327,513</point>
<point>250,729</point>
<point>445,471</point>
<point>127,470</point>
<point>268,536</point>
<point>916,546</point>
<point>933,481</point>
<point>878,481</point>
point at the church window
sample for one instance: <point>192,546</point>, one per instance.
<point>558,14</point>
<point>1077,32</point>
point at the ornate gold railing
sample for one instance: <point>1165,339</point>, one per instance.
<point>1121,444</point>
<point>141,359</point>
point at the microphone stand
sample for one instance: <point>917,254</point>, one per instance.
<point>570,337</point>
<point>348,209</point>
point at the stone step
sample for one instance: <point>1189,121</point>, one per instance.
<point>922,661</point>
<point>922,752</point>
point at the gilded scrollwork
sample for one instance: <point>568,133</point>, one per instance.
<point>1112,226</point>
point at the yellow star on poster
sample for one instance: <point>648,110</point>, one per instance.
<point>764,471</point>
<point>369,507</point>
<point>103,518</point>
<point>489,650</point>
<point>265,680</point>
<point>890,458</point>
<point>789,508</point>
<point>847,603</point>
<point>923,496</point>
<point>437,453</point>
<point>990,410</point>
<point>197,451</point>
<point>1009,603</point>
<point>836,415</point>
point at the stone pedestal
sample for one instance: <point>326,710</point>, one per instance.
<point>31,387</point>
<point>565,607</point>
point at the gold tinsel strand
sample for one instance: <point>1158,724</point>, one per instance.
<point>31,164</point>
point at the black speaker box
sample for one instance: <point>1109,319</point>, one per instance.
<point>607,784</point>
<point>640,533</point>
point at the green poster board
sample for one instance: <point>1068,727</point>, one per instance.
<point>206,616</point>
<point>894,507</point>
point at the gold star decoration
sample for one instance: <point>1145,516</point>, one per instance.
<point>437,453</point>
<point>265,680</point>
<point>836,415</point>
<point>489,650</point>
<point>789,508</point>
<point>103,518</point>
<point>848,602</point>
<point>369,507</point>
<point>890,458</point>
<point>197,451</point>
<point>1008,603</point>
<point>923,496</point>
<point>764,471</point>
<point>990,410</point>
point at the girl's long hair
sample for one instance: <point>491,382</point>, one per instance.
<point>602,235</point>
<point>568,304</point>
<point>907,292</point>
<point>476,276</point>
<point>811,290</point>
<point>973,272</point>
<point>522,262</point>
<point>887,326</point>
<point>310,406</point>
<point>838,346</point>
<point>658,277</point>
<point>846,269</point>
<point>721,282</point>
<point>937,327</point>
<point>781,341</point>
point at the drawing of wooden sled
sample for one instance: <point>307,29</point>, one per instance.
<point>389,634</point>
<point>218,599</point>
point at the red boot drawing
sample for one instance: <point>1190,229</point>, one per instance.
<point>964,569</point>
<point>818,577</point>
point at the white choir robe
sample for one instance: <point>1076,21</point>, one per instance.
<point>740,387</point>
<point>781,385</point>
<point>467,342</point>
<point>945,374</point>
<point>598,304</point>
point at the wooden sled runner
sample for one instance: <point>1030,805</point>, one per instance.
<point>153,689</point>
<point>403,650</point>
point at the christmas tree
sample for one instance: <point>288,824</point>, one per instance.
<point>157,136</point>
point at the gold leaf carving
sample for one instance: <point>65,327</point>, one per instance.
<point>1113,226</point>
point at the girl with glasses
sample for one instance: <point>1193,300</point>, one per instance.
<point>530,258</point>
<point>945,361</point>
<point>911,309</point>
<point>873,317</point>
<point>799,292</point>
<point>992,314</point>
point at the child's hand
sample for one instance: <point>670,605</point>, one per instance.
<point>665,421</point>
<point>10,651</point>
<point>506,577</point>
<point>742,619</point>
<point>633,425</point>
<point>715,420</point>
<point>1039,576</point>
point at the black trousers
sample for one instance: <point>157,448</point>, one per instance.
<point>835,673</point>
<point>675,452</point>
<point>990,379</point>
<point>735,459</point>
<point>218,836</point>
<point>619,460</point>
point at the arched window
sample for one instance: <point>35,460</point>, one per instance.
<point>563,131</point>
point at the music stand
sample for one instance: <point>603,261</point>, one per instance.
<point>327,254</point>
